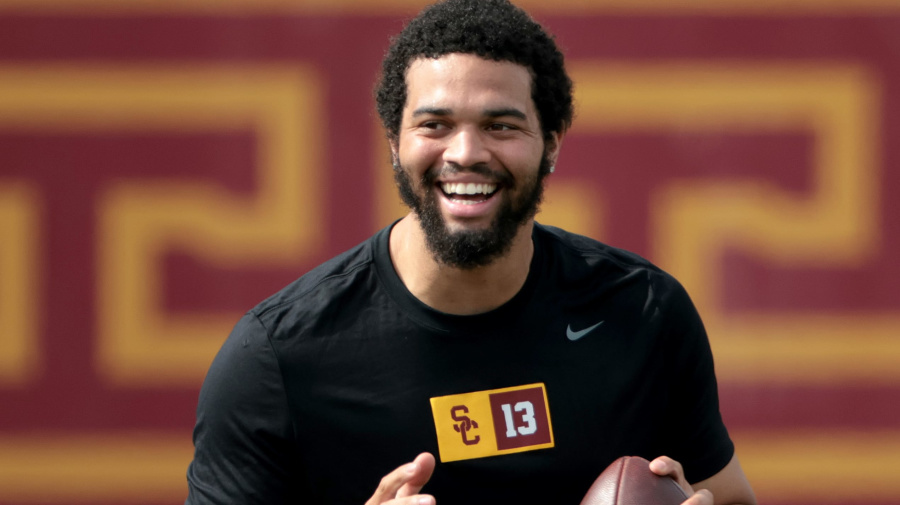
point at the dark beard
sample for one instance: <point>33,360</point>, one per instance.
<point>470,249</point>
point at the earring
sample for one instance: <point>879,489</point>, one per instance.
<point>552,168</point>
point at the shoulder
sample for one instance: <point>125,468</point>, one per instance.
<point>586,247</point>
<point>339,283</point>
<point>587,268</point>
<point>580,255</point>
<point>328,274</point>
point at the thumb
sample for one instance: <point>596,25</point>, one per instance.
<point>422,470</point>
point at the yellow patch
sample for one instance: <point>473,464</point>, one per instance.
<point>493,422</point>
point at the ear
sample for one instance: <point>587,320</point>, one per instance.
<point>553,146</point>
<point>395,150</point>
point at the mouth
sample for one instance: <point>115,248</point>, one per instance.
<point>468,193</point>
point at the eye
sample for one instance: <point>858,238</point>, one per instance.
<point>500,127</point>
<point>433,125</point>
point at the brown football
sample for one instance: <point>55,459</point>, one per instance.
<point>629,481</point>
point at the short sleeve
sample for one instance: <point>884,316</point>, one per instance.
<point>698,437</point>
<point>244,449</point>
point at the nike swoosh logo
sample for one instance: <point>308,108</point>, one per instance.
<point>575,335</point>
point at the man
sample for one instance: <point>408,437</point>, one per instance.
<point>524,357</point>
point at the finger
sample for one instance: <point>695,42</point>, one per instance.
<point>665,465</point>
<point>391,483</point>
<point>424,467</point>
<point>419,499</point>
<point>702,497</point>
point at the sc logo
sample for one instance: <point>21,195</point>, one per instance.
<point>465,424</point>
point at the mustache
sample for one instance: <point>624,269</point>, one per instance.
<point>448,169</point>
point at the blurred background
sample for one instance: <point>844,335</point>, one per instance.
<point>165,165</point>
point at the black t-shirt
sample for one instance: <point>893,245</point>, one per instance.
<point>330,384</point>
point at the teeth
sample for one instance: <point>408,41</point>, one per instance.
<point>462,188</point>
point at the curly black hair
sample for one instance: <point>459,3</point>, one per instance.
<point>492,29</point>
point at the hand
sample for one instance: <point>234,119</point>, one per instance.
<point>665,465</point>
<point>401,486</point>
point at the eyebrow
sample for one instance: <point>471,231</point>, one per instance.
<point>492,113</point>
<point>509,111</point>
<point>430,111</point>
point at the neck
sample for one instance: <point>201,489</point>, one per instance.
<point>454,290</point>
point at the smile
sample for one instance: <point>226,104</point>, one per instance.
<point>468,193</point>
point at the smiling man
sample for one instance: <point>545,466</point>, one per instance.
<point>471,137</point>
<point>470,159</point>
<point>465,353</point>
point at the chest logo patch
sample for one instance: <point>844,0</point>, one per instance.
<point>492,423</point>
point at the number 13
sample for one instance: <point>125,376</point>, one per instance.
<point>528,416</point>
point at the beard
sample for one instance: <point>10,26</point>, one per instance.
<point>469,249</point>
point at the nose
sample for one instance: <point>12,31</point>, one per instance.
<point>466,148</point>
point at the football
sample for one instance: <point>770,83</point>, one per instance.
<point>629,481</point>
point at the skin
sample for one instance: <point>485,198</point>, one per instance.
<point>401,487</point>
<point>464,110</point>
